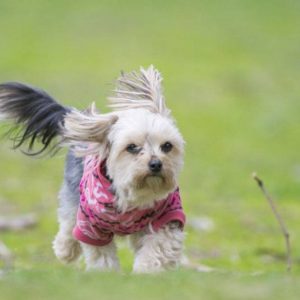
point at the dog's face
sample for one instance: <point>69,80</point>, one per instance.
<point>145,155</point>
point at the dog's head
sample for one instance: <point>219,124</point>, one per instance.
<point>145,157</point>
<point>139,140</point>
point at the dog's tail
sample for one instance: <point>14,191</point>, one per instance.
<point>37,116</point>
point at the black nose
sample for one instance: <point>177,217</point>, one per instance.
<point>155,165</point>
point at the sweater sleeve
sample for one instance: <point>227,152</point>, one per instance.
<point>172,212</point>
<point>86,232</point>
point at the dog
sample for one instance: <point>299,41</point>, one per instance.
<point>121,170</point>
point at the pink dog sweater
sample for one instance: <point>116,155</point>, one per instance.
<point>98,218</point>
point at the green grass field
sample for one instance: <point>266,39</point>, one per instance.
<point>231,77</point>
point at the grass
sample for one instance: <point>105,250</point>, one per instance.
<point>231,72</point>
<point>60,284</point>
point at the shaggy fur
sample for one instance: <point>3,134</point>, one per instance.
<point>137,132</point>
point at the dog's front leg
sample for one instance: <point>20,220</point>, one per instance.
<point>65,247</point>
<point>158,251</point>
<point>101,258</point>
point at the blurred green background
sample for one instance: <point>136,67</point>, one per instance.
<point>231,77</point>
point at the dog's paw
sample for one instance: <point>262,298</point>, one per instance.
<point>101,258</point>
<point>144,265</point>
<point>104,264</point>
<point>66,249</point>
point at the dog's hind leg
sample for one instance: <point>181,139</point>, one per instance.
<point>65,247</point>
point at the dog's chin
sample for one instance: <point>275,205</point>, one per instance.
<point>154,182</point>
<point>157,183</point>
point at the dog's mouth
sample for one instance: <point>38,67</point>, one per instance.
<point>154,175</point>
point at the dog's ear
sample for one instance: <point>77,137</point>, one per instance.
<point>85,130</point>
<point>140,90</point>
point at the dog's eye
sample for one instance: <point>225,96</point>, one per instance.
<point>133,148</point>
<point>166,147</point>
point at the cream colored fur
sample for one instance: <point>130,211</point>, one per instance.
<point>65,247</point>
<point>158,251</point>
<point>140,90</point>
<point>102,258</point>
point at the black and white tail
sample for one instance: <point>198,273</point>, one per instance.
<point>36,115</point>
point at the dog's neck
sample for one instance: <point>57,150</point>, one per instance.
<point>130,197</point>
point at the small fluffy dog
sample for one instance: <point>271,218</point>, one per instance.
<point>121,171</point>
